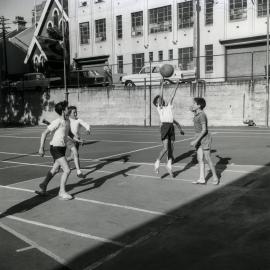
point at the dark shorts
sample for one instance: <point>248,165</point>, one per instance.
<point>167,131</point>
<point>57,151</point>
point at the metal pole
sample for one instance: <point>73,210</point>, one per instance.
<point>144,102</point>
<point>64,54</point>
<point>267,65</point>
<point>150,96</point>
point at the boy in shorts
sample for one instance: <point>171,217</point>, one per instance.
<point>60,128</point>
<point>75,124</point>
<point>202,140</point>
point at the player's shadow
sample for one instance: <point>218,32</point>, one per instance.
<point>89,142</point>
<point>123,158</point>
<point>220,166</point>
<point>193,162</point>
<point>100,181</point>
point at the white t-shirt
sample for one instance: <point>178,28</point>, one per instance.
<point>75,126</point>
<point>165,113</point>
<point>60,129</point>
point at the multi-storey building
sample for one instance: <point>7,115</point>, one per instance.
<point>130,33</point>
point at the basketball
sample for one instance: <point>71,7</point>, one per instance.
<point>166,70</point>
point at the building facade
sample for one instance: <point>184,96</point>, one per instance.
<point>130,33</point>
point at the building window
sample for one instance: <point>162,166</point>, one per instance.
<point>120,64</point>
<point>262,8</point>
<point>55,18</point>
<point>238,9</point>
<point>151,57</point>
<point>160,55</point>
<point>100,30</point>
<point>160,19</point>
<point>137,62</point>
<point>170,54</point>
<point>209,5</point>
<point>185,58</point>
<point>84,33</point>
<point>185,14</point>
<point>119,27</point>
<point>137,23</point>
<point>209,58</point>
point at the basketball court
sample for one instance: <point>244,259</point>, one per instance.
<point>124,216</point>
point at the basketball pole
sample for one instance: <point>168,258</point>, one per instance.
<point>267,65</point>
<point>197,9</point>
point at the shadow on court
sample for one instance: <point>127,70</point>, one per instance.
<point>228,228</point>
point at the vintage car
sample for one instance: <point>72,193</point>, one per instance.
<point>152,76</point>
<point>34,81</point>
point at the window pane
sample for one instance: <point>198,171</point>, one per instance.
<point>84,33</point>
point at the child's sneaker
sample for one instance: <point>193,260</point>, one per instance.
<point>215,181</point>
<point>65,196</point>
<point>169,168</point>
<point>157,166</point>
<point>80,175</point>
<point>199,182</point>
<point>42,191</point>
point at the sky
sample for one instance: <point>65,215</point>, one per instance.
<point>12,8</point>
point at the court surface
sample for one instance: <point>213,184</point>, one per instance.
<point>124,216</point>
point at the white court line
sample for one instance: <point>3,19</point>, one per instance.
<point>64,230</point>
<point>24,249</point>
<point>8,167</point>
<point>116,253</point>
<point>138,150</point>
<point>34,244</point>
<point>129,162</point>
<point>18,137</point>
<point>136,209</point>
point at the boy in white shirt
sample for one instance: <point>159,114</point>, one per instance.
<point>60,128</point>
<point>75,124</point>
<point>167,128</point>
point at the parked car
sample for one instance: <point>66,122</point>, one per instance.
<point>154,77</point>
<point>86,78</point>
<point>5,84</point>
<point>34,81</point>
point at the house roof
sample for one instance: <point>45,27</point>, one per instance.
<point>23,38</point>
<point>40,25</point>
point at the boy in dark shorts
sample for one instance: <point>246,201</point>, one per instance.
<point>60,128</point>
<point>167,128</point>
<point>202,140</point>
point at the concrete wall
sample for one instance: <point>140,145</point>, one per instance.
<point>228,104</point>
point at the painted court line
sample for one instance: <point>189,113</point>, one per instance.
<point>126,207</point>
<point>64,230</point>
<point>138,150</point>
<point>33,244</point>
<point>8,167</point>
<point>24,249</point>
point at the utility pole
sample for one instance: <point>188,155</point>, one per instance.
<point>64,53</point>
<point>196,12</point>
<point>3,27</point>
<point>267,66</point>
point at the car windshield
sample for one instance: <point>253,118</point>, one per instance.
<point>145,70</point>
<point>155,70</point>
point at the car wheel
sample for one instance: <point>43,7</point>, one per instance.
<point>129,84</point>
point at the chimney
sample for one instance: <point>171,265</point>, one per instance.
<point>20,23</point>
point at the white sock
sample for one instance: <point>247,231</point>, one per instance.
<point>79,171</point>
